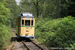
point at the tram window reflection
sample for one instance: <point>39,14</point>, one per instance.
<point>27,22</point>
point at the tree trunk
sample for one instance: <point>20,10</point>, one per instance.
<point>36,6</point>
<point>37,9</point>
<point>59,8</point>
<point>43,10</point>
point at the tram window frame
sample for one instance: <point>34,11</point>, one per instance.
<point>28,23</point>
<point>22,22</point>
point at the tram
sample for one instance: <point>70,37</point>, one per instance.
<point>25,25</point>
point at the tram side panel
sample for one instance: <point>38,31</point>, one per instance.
<point>18,28</point>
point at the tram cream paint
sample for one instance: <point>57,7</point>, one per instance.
<point>27,30</point>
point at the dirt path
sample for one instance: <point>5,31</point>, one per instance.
<point>12,43</point>
<point>19,46</point>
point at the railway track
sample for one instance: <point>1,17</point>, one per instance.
<point>32,46</point>
<point>26,46</point>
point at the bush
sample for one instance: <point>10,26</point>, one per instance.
<point>72,46</point>
<point>5,35</point>
<point>4,15</point>
<point>56,32</point>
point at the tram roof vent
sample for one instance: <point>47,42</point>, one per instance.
<point>26,15</point>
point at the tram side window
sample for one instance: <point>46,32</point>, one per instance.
<point>32,23</point>
<point>22,22</point>
<point>27,22</point>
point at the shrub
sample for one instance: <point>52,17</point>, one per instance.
<point>5,35</point>
<point>56,32</point>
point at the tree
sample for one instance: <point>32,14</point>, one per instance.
<point>36,6</point>
<point>59,8</point>
<point>42,8</point>
<point>50,8</point>
<point>71,8</point>
<point>14,8</point>
<point>67,8</point>
<point>5,34</point>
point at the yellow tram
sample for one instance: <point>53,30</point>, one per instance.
<point>25,25</point>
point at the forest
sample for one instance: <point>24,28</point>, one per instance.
<point>55,21</point>
<point>8,10</point>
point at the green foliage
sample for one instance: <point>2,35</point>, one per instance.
<point>9,10</point>
<point>14,9</point>
<point>1,1</point>
<point>67,8</point>
<point>56,32</point>
<point>4,15</point>
<point>72,46</point>
<point>5,34</point>
<point>46,8</point>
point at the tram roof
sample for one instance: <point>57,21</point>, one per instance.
<point>25,15</point>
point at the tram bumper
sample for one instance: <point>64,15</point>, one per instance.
<point>27,36</point>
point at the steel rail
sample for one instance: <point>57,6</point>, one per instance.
<point>34,44</point>
<point>25,45</point>
<point>12,48</point>
<point>37,45</point>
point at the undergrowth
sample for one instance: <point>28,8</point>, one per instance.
<point>5,33</point>
<point>56,32</point>
<point>5,36</point>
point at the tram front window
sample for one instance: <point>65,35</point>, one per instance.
<point>27,22</point>
<point>32,23</point>
<point>22,22</point>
